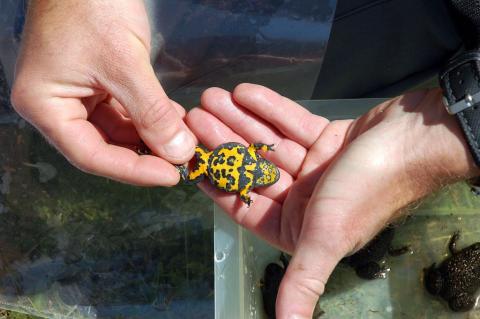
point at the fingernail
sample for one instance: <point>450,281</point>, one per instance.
<point>179,146</point>
<point>296,317</point>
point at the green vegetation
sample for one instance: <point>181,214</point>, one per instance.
<point>79,240</point>
<point>5,314</point>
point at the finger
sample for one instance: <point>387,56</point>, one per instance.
<point>288,154</point>
<point>80,142</point>
<point>333,227</point>
<point>327,146</point>
<point>262,217</point>
<point>91,102</point>
<point>293,120</point>
<point>119,107</point>
<point>118,129</point>
<point>322,243</point>
<point>135,86</point>
<point>180,110</point>
<point>212,132</point>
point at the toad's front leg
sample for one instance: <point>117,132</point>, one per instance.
<point>462,302</point>
<point>261,147</point>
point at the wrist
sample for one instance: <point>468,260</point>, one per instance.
<point>441,154</point>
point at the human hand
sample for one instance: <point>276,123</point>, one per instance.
<point>84,79</point>
<point>341,182</point>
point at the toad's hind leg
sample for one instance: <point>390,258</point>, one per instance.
<point>452,245</point>
<point>199,170</point>
<point>371,270</point>
<point>247,186</point>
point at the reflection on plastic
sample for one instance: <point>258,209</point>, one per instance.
<point>202,43</point>
<point>78,246</point>
<point>46,171</point>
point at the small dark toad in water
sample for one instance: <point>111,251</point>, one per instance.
<point>457,278</point>
<point>234,168</point>
<point>367,262</point>
<point>272,278</point>
<point>270,284</point>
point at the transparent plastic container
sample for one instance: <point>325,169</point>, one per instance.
<point>242,257</point>
<point>78,246</point>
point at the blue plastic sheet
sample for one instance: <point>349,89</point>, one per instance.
<point>79,246</point>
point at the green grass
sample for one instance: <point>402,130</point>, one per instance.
<point>158,241</point>
<point>5,314</point>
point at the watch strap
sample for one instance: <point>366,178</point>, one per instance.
<point>460,81</point>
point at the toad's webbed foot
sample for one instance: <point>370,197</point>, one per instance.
<point>371,270</point>
<point>399,251</point>
<point>183,171</point>
<point>246,199</point>
<point>452,245</point>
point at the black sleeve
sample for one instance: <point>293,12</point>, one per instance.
<point>382,48</point>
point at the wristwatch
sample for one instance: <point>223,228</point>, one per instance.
<point>460,81</point>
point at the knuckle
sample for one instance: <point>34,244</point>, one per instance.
<point>211,92</point>
<point>310,286</point>
<point>313,126</point>
<point>157,112</point>
<point>85,162</point>
<point>93,161</point>
<point>18,96</point>
<point>243,87</point>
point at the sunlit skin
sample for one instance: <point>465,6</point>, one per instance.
<point>84,79</point>
<point>341,182</point>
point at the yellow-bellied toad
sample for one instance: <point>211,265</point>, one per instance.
<point>233,167</point>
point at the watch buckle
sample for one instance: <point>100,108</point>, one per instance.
<point>465,103</point>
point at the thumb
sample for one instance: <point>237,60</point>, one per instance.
<point>305,279</point>
<point>154,115</point>
<point>340,218</point>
